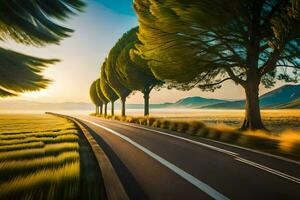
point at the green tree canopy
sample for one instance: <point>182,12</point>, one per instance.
<point>106,89</point>
<point>112,76</point>
<point>102,98</point>
<point>207,42</point>
<point>100,94</point>
<point>21,73</point>
<point>132,70</point>
<point>35,22</point>
<point>30,23</point>
<point>94,97</point>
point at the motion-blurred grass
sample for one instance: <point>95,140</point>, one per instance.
<point>40,158</point>
<point>275,120</point>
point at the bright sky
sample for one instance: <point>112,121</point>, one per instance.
<point>96,32</point>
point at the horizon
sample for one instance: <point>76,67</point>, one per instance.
<point>165,102</point>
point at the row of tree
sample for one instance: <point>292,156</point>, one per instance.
<point>204,43</point>
<point>122,73</point>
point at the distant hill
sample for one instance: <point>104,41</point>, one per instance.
<point>189,102</point>
<point>278,98</point>
<point>285,97</point>
<point>196,102</point>
<point>291,105</point>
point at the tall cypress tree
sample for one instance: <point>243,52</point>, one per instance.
<point>95,98</point>
<point>133,71</point>
<point>106,89</point>
<point>112,77</point>
<point>102,98</point>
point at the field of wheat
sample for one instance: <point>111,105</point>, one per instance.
<point>39,158</point>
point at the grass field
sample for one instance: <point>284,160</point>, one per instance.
<point>275,120</point>
<point>45,157</point>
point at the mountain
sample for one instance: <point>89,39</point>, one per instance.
<point>21,105</point>
<point>291,105</point>
<point>188,102</point>
<point>287,96</point>
<point>196,102</point>
<point>280,97</point>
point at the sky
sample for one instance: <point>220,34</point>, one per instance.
<point>96,32</point>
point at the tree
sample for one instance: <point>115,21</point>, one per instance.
<point>30,23</point>
<point>20,73</point>
<point>107,91</point>
<point>133,71</point>
<point>95,98</point>
<point>102,98</point>
<point>207,42</point>
<point>112,77</point>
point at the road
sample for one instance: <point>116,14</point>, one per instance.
<point>152,164</point>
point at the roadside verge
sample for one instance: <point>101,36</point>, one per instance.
<point>113,186</point>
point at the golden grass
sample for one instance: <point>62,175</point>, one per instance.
<point>60,147</point>
<point>39,162</point>
<point>39,154</point>
<point>289,139</point>
<point>13,147</point>
<point>46,140</point>
<point>69,172</point>
<point>275,120</point>
<point>39,134</point>
<point>24,153</point>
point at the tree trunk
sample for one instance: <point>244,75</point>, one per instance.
<point>101,109</point>
<point>105,109</point>
<point>112,108</point>
<point>96,110</point>
<point>252,109</point>
<point>123,99</point>
<point>146,103</point>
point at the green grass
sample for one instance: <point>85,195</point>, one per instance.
<point>40,158</point>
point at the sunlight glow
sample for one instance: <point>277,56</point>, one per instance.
<point>42,93</point>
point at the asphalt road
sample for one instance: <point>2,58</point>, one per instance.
<point>155,165</point>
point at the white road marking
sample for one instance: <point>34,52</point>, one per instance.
<point>255,151</point>
<point>188,177</point>
<point>270,170</point>
<point>235,155</point>
<point>186,139</point>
